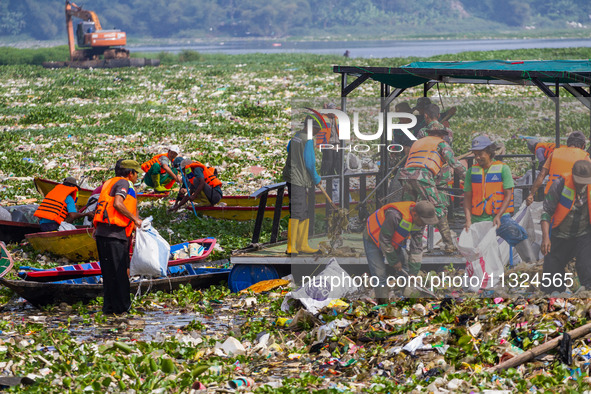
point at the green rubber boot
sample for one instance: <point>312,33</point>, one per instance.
<point>157,186</point>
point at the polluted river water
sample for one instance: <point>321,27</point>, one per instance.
<point>149,325</point>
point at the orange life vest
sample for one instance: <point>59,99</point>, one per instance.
<point>548,148</point>
<point>105,211</point>
<point>562,162</point>
<point>423,153</point>
<point>323,136</point>
<point>487,192</point>
<point>53,207</point>
<point>405,227</point>
<point>566,201</point>
<point>156,159</point>
<point>208,174</point>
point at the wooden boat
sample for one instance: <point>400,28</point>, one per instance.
<point>237,213</point>
<point>44,186</point>
<point>6,262</point>
<point>250,213</point>
<point>247,201</point>
<point>66,272</point>
<point>15,231</point>
<point>40,294</point>
<point>77,245</point>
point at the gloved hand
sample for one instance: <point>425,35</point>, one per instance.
<point>157,186</point>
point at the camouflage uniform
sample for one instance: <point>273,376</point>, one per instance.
<point>420,184</point>
<point>436,125</point>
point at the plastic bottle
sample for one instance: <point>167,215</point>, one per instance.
<point>505,331</point>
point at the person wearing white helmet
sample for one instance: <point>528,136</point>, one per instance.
<point>160,173</point>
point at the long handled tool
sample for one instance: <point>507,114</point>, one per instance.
<point>332,204</point>
<point>188,191</point>
<point>362,203</point>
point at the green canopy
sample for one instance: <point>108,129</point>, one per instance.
<point>573,72</point>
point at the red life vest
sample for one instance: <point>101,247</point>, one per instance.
<point>106,212</point>
<point>156,159</point>
<point>53,207</point>
<point>566,201</point>
<point>423,153</point>
<point>487,192</point>
<point>562,162</point>
<point>548,148</point>
<point>405,227</point>
<point>208,174</point>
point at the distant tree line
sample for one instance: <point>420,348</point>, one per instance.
<point>44,19</point>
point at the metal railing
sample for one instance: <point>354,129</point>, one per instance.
<point>263,194</point>
<point>344,201</point>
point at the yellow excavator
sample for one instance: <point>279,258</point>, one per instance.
<point>98,48</point>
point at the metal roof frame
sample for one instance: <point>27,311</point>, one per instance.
<point>549,82</point>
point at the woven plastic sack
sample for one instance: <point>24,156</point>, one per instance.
<point>65,226</point>
<point>480,248</point>
<point>150,256</point>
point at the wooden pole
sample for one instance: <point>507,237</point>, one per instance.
<point>538,350</point>
<point>328,199</point>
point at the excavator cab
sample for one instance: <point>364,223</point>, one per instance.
<point>82,30</point>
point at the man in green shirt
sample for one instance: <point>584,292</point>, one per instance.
<point>488,196</point>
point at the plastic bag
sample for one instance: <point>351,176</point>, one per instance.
<point>511,231</point>
<point>316,293</point>
<point>150,256</point>
<point>480,247</point>
<point>5,215</point>
<point>65,226</point>
<point>24,213</point>
<point>526,217</point>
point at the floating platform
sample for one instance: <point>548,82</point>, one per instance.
<point>105,63</point>
<point>275,255</point>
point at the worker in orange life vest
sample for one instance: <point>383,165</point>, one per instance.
<point>541,149</point>
<point>115,219</point>
<point>566,228</point>
<point>59,205</point>
<point>386,233</point>
<point>203,184</point>
<point>160,173</point>
<point>560,162</point>
<point>488,196</point>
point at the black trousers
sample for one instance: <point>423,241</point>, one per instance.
<point>301,202</point>
<point>51,226</point>
<point>212,195</point>
<point>114,257</point>
<point>562,251</point>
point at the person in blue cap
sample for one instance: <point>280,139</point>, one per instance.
<point>488,196</point>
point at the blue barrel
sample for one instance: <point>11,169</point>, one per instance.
<point>246,275</point>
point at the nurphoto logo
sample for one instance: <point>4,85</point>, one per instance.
<point>344,130</point>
